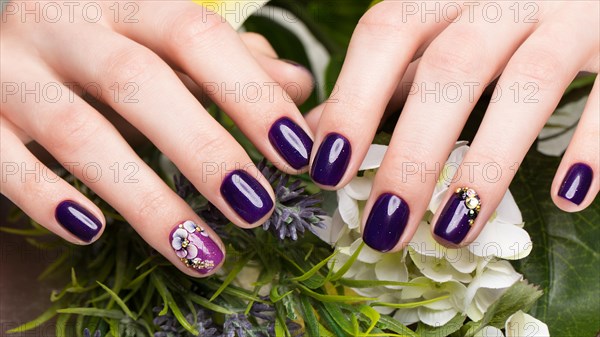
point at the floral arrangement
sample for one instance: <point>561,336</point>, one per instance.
<point>306,271</point>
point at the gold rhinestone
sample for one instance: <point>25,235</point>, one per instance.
<point>471,221</point>
<point>471,202</point>
<point>185,243</point>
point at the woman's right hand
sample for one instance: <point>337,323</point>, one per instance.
<point>148,61</point>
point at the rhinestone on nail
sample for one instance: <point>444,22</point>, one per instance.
<point>472,202</point>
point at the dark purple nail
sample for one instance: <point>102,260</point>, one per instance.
<point>292,143</point>
<point>246,196</point>
<point>386,222</point>
<point>577,183</point>
<point>195,248</point>
<point>458,215</point>
<point>77,220</point>
<point>331,160</point>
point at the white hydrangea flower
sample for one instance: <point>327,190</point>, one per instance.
<point>471,276</point>
<point>518,325</point>
<point>436,313</point>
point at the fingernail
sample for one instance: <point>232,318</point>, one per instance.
<point>386,222</point>
<point>577,183</point>
<point>195,248</point>
<point>292,143</point>
<point>458,215</point>
<point>77,220</point>
<point>331,160</point>
<point>246,196</point>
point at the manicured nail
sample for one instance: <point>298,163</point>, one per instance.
<point>458,215</point>
<point>77,220</point>
<point>331,160</point>
<point>195,248</point>
<point>292,143</point>
<point>577,183</point>
<point>246,196</point>
<point>386,222</point>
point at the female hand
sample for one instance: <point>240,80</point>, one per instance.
<point>124,54</point>
<point>455,50</point>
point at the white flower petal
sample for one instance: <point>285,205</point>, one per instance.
<point>424,243</point>
<point>438,270</point>
<point>374,157</point>
<point>387,298</point>
<point>462,259</point>
<point>474,312</point>
<point>348,209</point>
<point>333,229</point>
<point>485,297</point>
<point>494,279</point>
<point>176,243</point>
<point>424,285</point>
<point>407,316</point>
<point>180,232</point>
<point>192,251</point>
<point>189,226</point>
<point>508,211</point>
<point>436,317</point>
<point>391,268</point>
<point>359,188</point>
<point>489,331</point>
<point>522,324</point>
<point>367,254</point>
<point>503,240</point>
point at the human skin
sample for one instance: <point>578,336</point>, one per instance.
<point>153,71</point>
<point>534,47</point>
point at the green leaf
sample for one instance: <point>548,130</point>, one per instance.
<point>61,325</point>
<point>374,283</point>
<point>565,258</point>
<point>314,269</point>
<point>334,298</point>
<point>520,296</point>
<point>232,275</point>
<point>311,324</point>
<point>208,304</point>
<point>118,300</point>
<point>346,266</point>
<point>452,326</point>
<point>166,295</point>
<point>389,323</point>
<point>409,304</point>
<point>372,314</point>
<point>104,313</point>
<point>41,319</point>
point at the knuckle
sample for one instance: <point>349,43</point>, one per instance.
<point>70,129</point>
<point>191,29</point>
<point>446,57</point>
<point>383,20</point>
<point>150,204</point>
<point>205,149</point>
<point>130,65</point>
<point>538,66</point>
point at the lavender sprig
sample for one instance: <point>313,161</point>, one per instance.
<point>295,211</point>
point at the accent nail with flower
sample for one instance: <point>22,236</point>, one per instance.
<point>458,215</point>
<point>195,248</point>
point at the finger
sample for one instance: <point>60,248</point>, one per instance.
<point>44,196</point>
<point>146,92</point>
<point>576,183</point>
<point>465,57</point>
<point>381,48</point>
<point>212,53</point>
<point>296,80</point>
<point>510,126</point>
<point>89,147</point>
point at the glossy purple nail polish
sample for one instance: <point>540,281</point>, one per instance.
<point>292,143</point>
<point>331,160</point>
<point>194,247</point>
<point>246,196</point>
<point>386,222</point>
<point>77,220</point>
<point>577,183</point>
<point>458,215</point>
